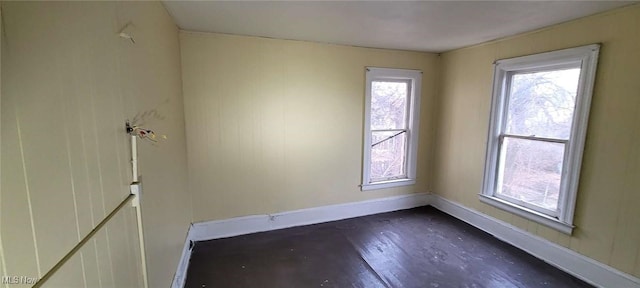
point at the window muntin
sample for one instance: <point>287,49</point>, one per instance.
<point>542,103</point>
<point>538,124</point>
<point>539,117</point>
<point>388,155</point>
<point>529,173</point>
<point>391,111</point>
<point>389,117</point>
<point>389,104</point>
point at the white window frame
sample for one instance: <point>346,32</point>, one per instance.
<point>585,57</point>
<point>414,78</point>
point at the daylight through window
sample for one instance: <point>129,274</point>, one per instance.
<point>538,126</point>
<point>390,127</point>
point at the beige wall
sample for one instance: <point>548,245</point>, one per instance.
<point>69,84</point>
<point>607,214</point>
<point>276,125</point>
<point>272,125</point>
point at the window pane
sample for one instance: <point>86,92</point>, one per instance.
<point>542,103</point>
<point>388,105</point>
<point>530,171</point>
<point>388,155</point>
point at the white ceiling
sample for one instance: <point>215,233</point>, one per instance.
<point>432,26</point>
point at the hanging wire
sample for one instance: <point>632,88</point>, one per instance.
<point>388,138</point>
<point>145,134</point>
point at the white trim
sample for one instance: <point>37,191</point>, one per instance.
<point>258,223</point>
<point>181,272</point>
<point>414,77</point>
<point>585,57</point>
<point>527,213</point>
<point>578,265</point>
<point>579,129</point>
<point>388,184</point>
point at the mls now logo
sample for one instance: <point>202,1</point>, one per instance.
<point>19,280</point>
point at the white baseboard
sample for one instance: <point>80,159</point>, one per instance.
<point>580,266</point>
<point>181,273</point>
<point>259,223</point>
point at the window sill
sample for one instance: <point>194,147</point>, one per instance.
<point>387,184</point>
<point>529,214</point>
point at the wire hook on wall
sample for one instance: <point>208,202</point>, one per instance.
<point>146,134</point>
<point>124,34</point>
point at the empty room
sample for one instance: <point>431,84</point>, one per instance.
<point>320,144</point>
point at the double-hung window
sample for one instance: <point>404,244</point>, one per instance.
<point>392,103</point>
<point>539,114</point>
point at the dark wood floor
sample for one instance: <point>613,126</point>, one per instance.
<point>419,247</point>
